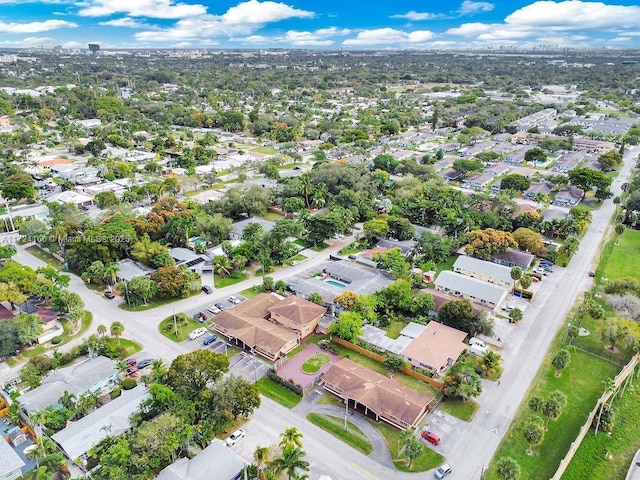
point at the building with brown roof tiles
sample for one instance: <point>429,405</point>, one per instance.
<point>376,395</point>
<point>261,336</point>
<point>297,314</point>
<point>436,348</point>
<point>257,306</point>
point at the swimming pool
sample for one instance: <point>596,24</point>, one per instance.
<point>336,284</point>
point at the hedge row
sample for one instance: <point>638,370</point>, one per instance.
<point>294,387</point>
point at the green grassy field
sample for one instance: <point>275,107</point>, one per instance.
<point>428,460</point>
<point>315,362</point>
<point>353,436</point>
<point>265,150</point>
<point>127,347</point>
<point>45,257</point>
<point>464,410</point>
<point>185,327</point>
<point>153,303</point>
<point>581,382</point>
<point>618,265</point>
<point>394,329</point>
<point>252,291</point>
<point>226,281</point>
<point>277,393</point>
<point>609,455</point>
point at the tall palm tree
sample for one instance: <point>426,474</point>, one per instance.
<point>59,233</point>
<point>261,455</point>
<point>222,265</point>
<point>67,400</point>
<point>290,461</point>
<point>102,330</point>
<point>290,437</point>
<point>306,187</point>
<point>117,329</point>
<point>158,370</point>
<point>111,271</point>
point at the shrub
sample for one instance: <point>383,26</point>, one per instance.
<point>129,383</point>
<point>56,340</point>
<point>526,294</point>
<point>294,387</point>
<point>117,391</point>
<point>394,363</point>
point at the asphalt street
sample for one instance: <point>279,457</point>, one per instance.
<point>468,447</point>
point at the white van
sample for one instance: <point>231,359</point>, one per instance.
<point>477,347</point>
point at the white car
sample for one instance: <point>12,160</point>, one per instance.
<point>213,309</point>
<point>235,437</point>
<point>234,300</point>
<point>197,333</point>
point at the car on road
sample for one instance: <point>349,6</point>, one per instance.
<point>197,333</point>
<point>235,437</point>
<point>442,471</point>
<point>234,300</point>
<point>144,363</point>
<point>430,437</point>
<point>213,309</point>
<point>207,289</point>
<point>209,339</point>
<point>592,273</point>
<point>220,306</point>
<point>110,295</point>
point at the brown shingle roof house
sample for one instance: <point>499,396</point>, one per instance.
<point>436,348</point>
<point>297,314</point>
<point>383,397</point>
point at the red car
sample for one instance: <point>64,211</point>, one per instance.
<point>431,437</point>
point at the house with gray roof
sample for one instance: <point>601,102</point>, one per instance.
<point>10,462</point>
<point>192,260</point>
<point>471,289</point>
<point>569,197</point>
<point>477,181</point>
<point>88,375</point>
<point>514,258</point>
<point>238,227</point>
<point>130,268</point>
<point>482,270</point>
<point>537,188</point>
<point>216,462</point>
<point>111,419</point>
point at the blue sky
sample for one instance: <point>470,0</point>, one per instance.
<point>325,24</point>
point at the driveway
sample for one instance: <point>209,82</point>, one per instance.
<point>247,366</point>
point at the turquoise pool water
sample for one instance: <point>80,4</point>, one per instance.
<point>336,284</point>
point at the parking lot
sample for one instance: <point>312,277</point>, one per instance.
<point>224,303</point>
<point>248,367</point>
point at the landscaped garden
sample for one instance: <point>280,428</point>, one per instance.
<point>393,437</point>
<point>178,327</point>
<point>314,363</point>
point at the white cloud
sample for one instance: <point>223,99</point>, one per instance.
<point>140,8</point>
<point>258,13</point>
<point>319,38</point>
<point>620,40</point>
<point>253,39</point>
<point>126,22</point>
<point>416,16</point>
<point>73,44</point>
<point>35,27</point>
<point>333,32</point>
<point>469,8</point>
<point>305,38</point>
<point>388,36</point>
<point>243,19</point>
<point>27,42</point>
<point>20,2</point>
<point>549,19</point>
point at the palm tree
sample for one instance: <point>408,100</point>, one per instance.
<point>306,187</point>
<point>75,315</point>
<point>117,329</point>
<point>290,461</point>
<point>67,400</point>
<point>290,437</point>
<point>222,265</point>
<point>261,455</point>
<point>158,370</point>
<point>570,246</point>
<point>59,233</point>
<point>516,274</point>
<point>102,330</point>
<point>111,271</point>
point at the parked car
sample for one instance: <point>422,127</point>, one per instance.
<point>234,300</point>
<point>110,295</point>
<point>592,273</point>
<point>132,371</point>
<point>443,471</point>
<point>200,317</point>
<point>131,362</point>
<point>220,306</point>
<point>197,333</point>
<point>213,309</point>
<point>209,339</point>
<point>144,363</point>
<point>235,437</point>
<point>431,437</point>
<point>207,289</point>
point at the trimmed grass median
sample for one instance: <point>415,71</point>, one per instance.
<point>314,363</point>
<point>353,436</point>
<point>428,460</point>
<point>178,330</point>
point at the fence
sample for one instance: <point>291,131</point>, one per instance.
<point>621,377</point>
<point>381,359</point>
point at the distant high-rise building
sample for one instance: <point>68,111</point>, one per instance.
<point>94,48</point>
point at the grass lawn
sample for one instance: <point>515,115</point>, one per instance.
<point>128,347</point>
<point>394,329</point>
<point>274,217</point>
<point>618,265</point>
<point>353,436</point>
<point>351,249</point>
<point>319,248</point>
<point>608,456</point>
<point>312,340</point>
<point>277,393</point>
<point>226,281</point>
<point>428,460</point>
<point>314,363</point>
<point>464,410</point>
<point>581,382</point>
<point>328,399</point>
<point>153,303</point>
<point>185,324</point>
<point>252,291</point>
<point>46,257</point>
<point>265,150</point>
<point>298,258</point>
<point>406,380</point>
<point>448,265</point>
